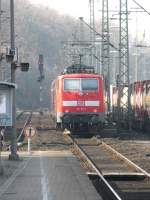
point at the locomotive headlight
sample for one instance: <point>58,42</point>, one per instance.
<point>66,111</point>
<point>95,110</point>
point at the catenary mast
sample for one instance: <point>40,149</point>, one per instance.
<point>123,77</point>
<point>105,50</point>
<point>92,32</point>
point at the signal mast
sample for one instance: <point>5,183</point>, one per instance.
<point>41,78</point>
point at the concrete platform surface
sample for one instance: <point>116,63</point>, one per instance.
<point>48,176</point>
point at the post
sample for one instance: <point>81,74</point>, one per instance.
<point>1,70</point>
<point>13,155</point>
<point>1,147</point>
<point>41,98</point>
<point>29,144</point>
<point>40,79</point>
<point>29,141</point>
<point>1,76</point>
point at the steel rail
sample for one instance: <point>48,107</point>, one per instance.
<point>19,115</point>
<point>104,181</point>
<point>126,160</point>
<point>26,123</point>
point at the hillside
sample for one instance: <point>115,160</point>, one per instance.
<point>39,31</point>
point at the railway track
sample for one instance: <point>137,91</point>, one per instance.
<point>114,176</point>
<point>22,120</point>
<point>23,117</point>
<point>137,150</point>
<point>20,131</point>
<point>118,176</point>
<point>47,137</point>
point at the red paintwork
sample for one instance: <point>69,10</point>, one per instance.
<point>141,96</point>
<point>61,95</point>
<point>140,100</point>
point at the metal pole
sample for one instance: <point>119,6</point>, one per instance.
<point>13,155</point>
<point>41,95</point>
<point>1,70</point>
<point>136,53</point>
<point>29,145</point>
<point>105,50</point>
<point>82,39</point>
<point>1,146</point>
<point>92,32</point>
<point>1,76</point>
<point>29,141</point>
<point>124,107</point>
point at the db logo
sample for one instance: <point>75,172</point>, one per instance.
<point>80,103</point>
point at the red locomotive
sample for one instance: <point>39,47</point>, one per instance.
<point>77,98</point>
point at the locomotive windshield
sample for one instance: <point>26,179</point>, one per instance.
<point>71,84</point>
<point>89,84</point>
<point>82,84</point>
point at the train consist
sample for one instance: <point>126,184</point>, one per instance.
<point>140,104</point>
<point>77,98</point>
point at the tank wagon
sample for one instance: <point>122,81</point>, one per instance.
<point>77,98</point>
<point>140,104</point>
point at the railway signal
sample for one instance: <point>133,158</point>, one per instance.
<point>41,68</point>
<point>41,78</point>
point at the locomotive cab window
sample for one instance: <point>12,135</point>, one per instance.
<point>71,84</point>
<point>89,84</point>
<point>82,84</point>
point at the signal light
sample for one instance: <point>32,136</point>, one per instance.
<point>9,58</point>
<point>10,53</point>
<point>24,67</point>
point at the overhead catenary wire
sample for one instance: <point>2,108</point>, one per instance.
<point>99,34</point>
<point>141,7</point>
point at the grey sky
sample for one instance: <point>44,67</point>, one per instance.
<point>78,8</point>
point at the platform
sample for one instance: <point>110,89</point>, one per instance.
<point>48,176</point>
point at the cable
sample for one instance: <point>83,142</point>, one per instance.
<point>141,7</point>
<point>112,45</point>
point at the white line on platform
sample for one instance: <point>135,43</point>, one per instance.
<point>44,181</point>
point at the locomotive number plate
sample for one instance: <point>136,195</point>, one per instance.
<point>80,103</point>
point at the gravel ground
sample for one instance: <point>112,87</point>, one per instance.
<point>47,140</point>
<point>133,145</point>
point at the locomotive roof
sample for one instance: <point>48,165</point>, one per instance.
<point>79,69</point>
<point>79,76</point>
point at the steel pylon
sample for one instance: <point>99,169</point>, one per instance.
<point>123,77</point>
<point>105,50</point>
<point>92,32</point>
